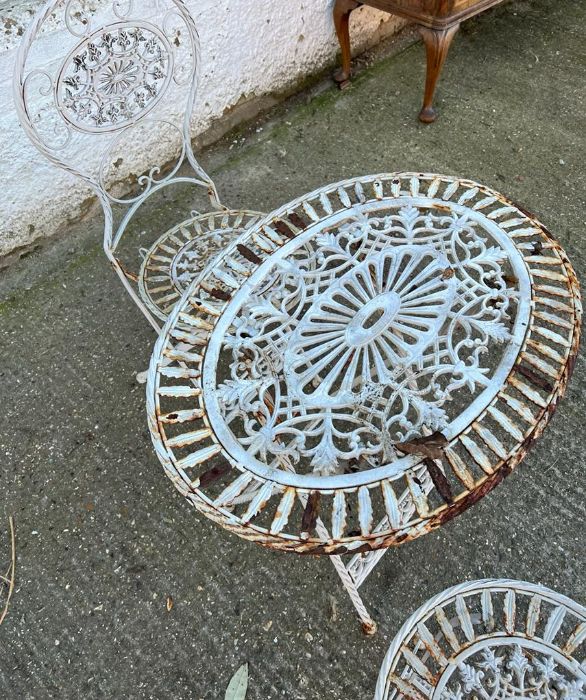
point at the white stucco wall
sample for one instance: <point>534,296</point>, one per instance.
<point>249,49</point>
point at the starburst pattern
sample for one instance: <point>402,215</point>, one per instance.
<point>114,76</point>
<point>118,77</point>
<point>364,334</point>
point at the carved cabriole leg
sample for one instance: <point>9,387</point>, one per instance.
<point>342,10</point>
<point>437,44</point>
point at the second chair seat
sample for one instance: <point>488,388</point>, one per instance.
<point>182,252</point>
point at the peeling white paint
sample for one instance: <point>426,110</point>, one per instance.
<point>249,49</point>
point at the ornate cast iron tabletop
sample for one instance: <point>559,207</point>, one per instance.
<point>364,364</point>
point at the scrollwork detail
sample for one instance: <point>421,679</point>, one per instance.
<point>509,673</point>
<point>148,180</point>
<point>122,8</point>
<point>77,18</point>
<point>53,133</point>
<point>184,69</point>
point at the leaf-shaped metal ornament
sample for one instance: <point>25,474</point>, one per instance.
<point>238,685</point>
<point>492,329</point>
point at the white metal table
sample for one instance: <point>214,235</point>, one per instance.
<point>363,365</point>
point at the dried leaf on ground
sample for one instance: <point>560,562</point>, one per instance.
<point>431,446</point>
<point>238,685</point>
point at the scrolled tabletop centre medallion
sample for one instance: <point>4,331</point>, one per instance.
<point>361,332</point>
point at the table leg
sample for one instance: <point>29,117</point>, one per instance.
<point>342,11</point>
<point>437,43</point>
<point>351,586</point>
<point>368,624</point>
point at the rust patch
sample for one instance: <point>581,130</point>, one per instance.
<point>220,294</point>
<point>310,514</point>
<point>440,481</point>
<point>248,254</point>
<point>283,229</point>
<point>522,209</point>
<point>127,273</point>
<point>297,221</point>
<point>530,439</point>
<point>570,364</point>
<point>327,550</point>
<point>534,378</point>
<point>431,446</point>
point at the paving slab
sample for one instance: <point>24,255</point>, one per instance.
<point>103,539</point>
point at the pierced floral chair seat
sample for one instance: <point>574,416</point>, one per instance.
<point>128,76</point>
<point>490,640</point>
<point>363,365</point>
<point>180,254</point>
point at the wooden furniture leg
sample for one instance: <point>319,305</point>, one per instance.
<point>342,11</point>
<point>437,43</point>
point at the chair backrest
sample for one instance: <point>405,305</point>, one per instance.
<point>124,76</point>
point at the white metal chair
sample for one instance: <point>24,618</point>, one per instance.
<point>128,76</point>
<point>490,639</point>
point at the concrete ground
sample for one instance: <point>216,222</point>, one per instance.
<point>103,538</point>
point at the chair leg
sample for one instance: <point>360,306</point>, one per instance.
<point>437,44</point>
<point>342,11</point>
<point>368,624</point>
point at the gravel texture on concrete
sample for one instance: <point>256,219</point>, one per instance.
<point>103,539</point>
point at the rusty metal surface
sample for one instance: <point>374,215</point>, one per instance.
<point>367,502</point>
<point>491,639</point>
